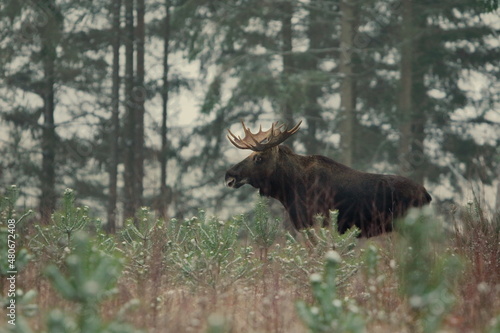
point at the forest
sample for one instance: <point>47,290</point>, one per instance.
<point>114,116</point>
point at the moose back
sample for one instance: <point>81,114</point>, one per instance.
<point>312,185</point>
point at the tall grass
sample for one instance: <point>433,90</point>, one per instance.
<point>477,240</point>
<point>248,274</point>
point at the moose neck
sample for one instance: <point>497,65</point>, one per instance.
<point>286,178</point>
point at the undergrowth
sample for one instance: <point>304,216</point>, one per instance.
<point>204,274</point>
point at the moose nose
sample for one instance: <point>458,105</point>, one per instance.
<point>230,181</point>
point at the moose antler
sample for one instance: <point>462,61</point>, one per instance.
<point>262,140</point>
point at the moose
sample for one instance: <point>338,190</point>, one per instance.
<point>308,186</point>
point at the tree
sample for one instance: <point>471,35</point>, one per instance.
<point>50,34</point>
<point>322,27</point>
<point>287,58</point>
<point>139,97</point>
<point>389,83</point>
<point>129,133</point>
<point>49,60</point>
<point>348,84</point>
<point>115,120</point>
<point>163,200</point>
<point>406,90</point>
<point>432,46</point>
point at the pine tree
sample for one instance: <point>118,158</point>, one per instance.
<point>439,62</point>
<point>348,84</point>
<point>163,200</point>
<point>45,55</point>
<point>140,95</point>
<point>115,120</point>
<point>50,35</point>
<point>129,131</point>
<point>322,34</point>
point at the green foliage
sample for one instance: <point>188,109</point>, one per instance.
<point>89,273</point>
<point>426,272</point>
<point>9,231</point>
<point>375,279</point>
<point>89,276</point>
<point>25,308</point>
<point>10,239</point>
<point>217,324</point>
<point>56,240</point>
<point>263,229</point>
<point>300,260</point>
<point>138,240</point>
<point>494,325</point>
<point>487,5</point>
<point>371,261</point>
<point>207,252</point>
<point>70,218</point>
<point>330,313</point>
<point>8,205</point>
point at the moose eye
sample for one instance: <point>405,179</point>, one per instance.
<point>257,159</point>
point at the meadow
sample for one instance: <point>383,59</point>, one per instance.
<point>248,274</point>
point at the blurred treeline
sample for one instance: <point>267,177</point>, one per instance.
<point>128,101</point>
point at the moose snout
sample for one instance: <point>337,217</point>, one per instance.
<point>231,180</point>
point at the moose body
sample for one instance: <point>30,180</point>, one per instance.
<point>312,185</point>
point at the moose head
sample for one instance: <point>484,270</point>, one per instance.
<point>257,169</point>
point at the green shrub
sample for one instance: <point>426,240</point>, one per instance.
<point>89,276</point>
<point>9,233</point>
<point>15,258</point>
<point>329,312</point>
<point>139,238</point>
<point>83,270</point>
<point>427,273</point>
<point>300,259</point>
<point>206,251</point>
<point>55,240</point>
<point>262,228</point>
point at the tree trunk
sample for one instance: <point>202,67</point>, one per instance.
<point>347,87</point>
<point>417,157</point>
<point>497,202</point>
<point>406,89</point>
<point>412,135</point>
<point>115,120</point>
<point>49,38</point>
<point>49,139</point>
<point>418,114</point>
<point>140,94</point>
<point>315,34</point>
<point>288,67</point>
<point>163,201</point>
<point>130,199</point>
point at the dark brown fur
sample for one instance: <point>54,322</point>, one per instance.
<point>311,185</point>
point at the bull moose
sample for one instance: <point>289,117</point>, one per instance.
<point>312,185</point>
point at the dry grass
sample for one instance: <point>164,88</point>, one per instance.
<point>265,302</point>
<point>477,240</point>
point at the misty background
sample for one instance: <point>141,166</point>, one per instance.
<point>128,102</point>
